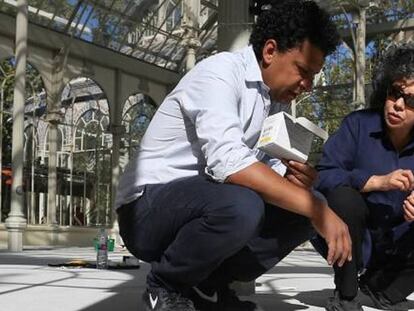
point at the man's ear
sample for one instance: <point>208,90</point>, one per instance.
<point>269,51</point>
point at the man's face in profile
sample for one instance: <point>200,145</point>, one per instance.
<point>290,73</point>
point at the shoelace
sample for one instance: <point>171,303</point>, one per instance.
<point>177,301</point>
<point>184,303</point>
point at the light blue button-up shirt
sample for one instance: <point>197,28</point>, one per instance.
<point>209,124</point>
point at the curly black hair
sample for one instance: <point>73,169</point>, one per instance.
<point>397,62</point>
<point>290,23</point>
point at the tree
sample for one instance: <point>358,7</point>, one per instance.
<point>332,97</point>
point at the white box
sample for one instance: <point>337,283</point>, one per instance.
<point>285,137</point>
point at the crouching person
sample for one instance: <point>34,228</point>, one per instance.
<point>366,172</point>
<point>196,202</point>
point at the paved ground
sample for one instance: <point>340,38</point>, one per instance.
<point>27,283</point>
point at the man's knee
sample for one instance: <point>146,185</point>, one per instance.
<point>242,209</point>
<point>249,209</point>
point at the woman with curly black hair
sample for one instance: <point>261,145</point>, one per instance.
<point>366,172</point>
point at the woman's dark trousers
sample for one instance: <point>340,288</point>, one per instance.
<point>391,273</point>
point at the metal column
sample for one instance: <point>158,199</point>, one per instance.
<point>52,173</point>
<point>16,221</point>
<point>54,118</point>
<point>234,24</point>
<point>117,131</point>
<point>360,63</point>
<point>191,15</point>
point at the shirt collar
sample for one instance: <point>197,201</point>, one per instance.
<point>378,130</point>
<point>253,71</point>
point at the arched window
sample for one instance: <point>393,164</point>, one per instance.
<point>88,148</point>
<point>138,112</point>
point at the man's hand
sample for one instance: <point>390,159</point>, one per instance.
<point>400,179</point>
<point>280,192</point>
<point>408,207</point>
<point>301,174</point>
<point>336,234</point>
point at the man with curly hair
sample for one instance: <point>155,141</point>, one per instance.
<point>198,201</point>
<point>366,172</point>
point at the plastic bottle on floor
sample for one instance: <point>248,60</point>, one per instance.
<point>102,252</point>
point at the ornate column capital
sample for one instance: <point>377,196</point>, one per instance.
<point>54,117</point>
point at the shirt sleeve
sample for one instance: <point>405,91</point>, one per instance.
<point>211,101</point>
<point>275,164</point>
<point>337,166</point>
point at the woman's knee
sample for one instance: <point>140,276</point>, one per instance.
<point>348,204</point>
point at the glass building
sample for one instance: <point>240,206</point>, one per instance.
<point>94,73</point>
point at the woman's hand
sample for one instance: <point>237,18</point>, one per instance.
<point>408,207</point>
<point>301,174</point>
<point>400,179</point>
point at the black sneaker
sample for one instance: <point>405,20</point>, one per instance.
<point>335,303</point>
<point>158,299</point>
<point>380,301</point>
<point>224,299</point>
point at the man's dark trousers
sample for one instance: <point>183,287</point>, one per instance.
<point>193,229</point>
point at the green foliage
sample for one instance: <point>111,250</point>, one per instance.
<point>333,98</point>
